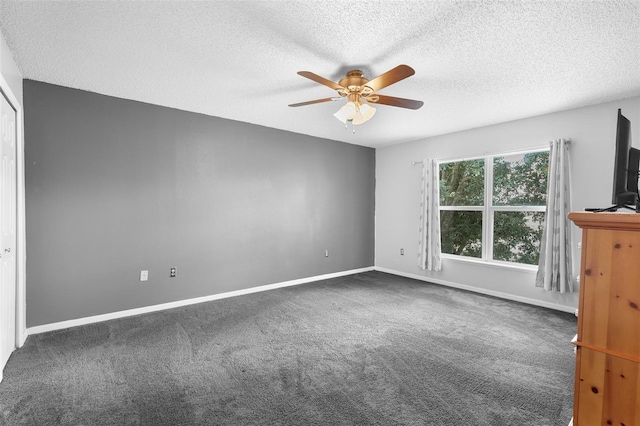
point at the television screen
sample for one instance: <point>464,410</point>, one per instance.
<point>626,162</point>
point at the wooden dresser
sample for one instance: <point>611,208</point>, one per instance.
<point>607,381</point>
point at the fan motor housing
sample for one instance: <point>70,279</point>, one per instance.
<point>354,81</point>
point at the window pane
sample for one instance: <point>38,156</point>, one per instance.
<point>520,180</point>
<point>461,232</point>
<point>516,236</point>
<point>462,183</point>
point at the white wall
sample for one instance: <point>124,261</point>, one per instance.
<point>9,70</point>
<point>592,130</point>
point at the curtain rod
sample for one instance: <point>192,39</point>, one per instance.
<point>541,147</point>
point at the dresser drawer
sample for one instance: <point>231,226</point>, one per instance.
<point>610,286</point>
<point>607,389</point>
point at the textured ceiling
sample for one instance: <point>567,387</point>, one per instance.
<point>477,63</point>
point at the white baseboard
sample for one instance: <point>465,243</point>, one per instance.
<point>499,294</point>
<point>170,305</point>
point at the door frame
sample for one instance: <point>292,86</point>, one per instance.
<point>21,252</point>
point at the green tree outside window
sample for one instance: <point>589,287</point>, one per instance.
<point>514,201</point>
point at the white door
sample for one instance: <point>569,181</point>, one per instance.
<point>8,217</point>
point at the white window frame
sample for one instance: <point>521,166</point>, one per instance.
<point>488,210</point>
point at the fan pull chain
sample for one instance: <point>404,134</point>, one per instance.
<point>346,126</point>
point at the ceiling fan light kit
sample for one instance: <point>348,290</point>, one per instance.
<point>363,114</point>
<point>361,92</point>
<point>355,112</point>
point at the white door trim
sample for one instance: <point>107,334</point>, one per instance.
<point>21,252</point>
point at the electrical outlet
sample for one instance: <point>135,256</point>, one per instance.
<point>144,275</point>
<point>326,253</point>
<point>173,272</point>
<point>401,252</point>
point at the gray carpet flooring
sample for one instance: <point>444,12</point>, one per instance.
<point>366,349</point>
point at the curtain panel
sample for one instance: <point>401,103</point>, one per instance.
<point>555,265</point>
<point>429,251</point>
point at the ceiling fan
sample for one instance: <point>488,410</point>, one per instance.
<point>362,92</point>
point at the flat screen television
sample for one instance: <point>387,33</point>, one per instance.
<point>625,167</point>
<point>626,170</point>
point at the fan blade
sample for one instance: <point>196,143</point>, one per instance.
<point>398,102</point>
<point>321,80</point>
<point>317,101</point>
<point>392,76</point>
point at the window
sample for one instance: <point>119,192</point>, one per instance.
<point>492,208</point>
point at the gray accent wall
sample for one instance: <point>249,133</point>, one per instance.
<point>116,186</point>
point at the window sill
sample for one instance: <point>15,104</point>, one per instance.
<point>492,263</point>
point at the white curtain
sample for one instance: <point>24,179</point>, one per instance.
<point>554,267</point>
<point>429,244</point>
